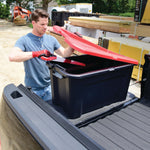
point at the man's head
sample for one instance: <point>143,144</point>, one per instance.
<point>39,13</point>
<point>40,21</point>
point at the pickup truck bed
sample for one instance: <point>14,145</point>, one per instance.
<point>124,126</point>
<point>127,129</point>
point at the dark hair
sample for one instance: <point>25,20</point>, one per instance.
<point>39,13</point>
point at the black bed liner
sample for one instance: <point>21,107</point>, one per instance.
<point>126,129</point>
<point>126,126</point>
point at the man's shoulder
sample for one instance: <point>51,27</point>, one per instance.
<point>24,36</point>
<point>29,35</point>
<point>23,40</point>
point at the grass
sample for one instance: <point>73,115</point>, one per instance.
<point>128,14</point>
<point>30,25</point>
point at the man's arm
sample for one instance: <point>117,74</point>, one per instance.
<point>64,52</point>
<point>17,55</point>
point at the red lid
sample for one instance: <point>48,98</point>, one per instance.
<point>90,48</point>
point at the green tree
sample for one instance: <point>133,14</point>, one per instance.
<point>63,2</point>
<point>4,11</point>
<point>99,6</point>
<point>21,3</point>
<point>25,3</point>
<point>132,4</point>
<point>73,1</point>
<point>111,5</point>
<point>106,6</point>
<point>124,5</point>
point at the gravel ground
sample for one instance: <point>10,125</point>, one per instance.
<point>10,72</point>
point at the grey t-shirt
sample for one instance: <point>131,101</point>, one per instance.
<point>37,74</point>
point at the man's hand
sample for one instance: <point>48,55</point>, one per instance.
<point>40,53</point>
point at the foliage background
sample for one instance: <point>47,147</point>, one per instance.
<point>106,6</point>
<point>4,11</point>
<point>113,7</point>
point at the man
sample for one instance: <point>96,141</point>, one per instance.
<point>29,47</point>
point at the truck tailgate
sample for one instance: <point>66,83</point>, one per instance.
<point>49,128</point>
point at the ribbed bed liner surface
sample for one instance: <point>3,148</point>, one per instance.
<point>127,129</point>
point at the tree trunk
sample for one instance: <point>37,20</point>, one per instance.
<point>45,4</point>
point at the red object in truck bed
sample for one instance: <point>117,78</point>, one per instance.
<point>90,48</point>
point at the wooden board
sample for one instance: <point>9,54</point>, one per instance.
<point>140,30</point>
<point>117,17</point>
<point>118,26</point>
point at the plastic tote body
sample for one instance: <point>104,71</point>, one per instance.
<point>79,90</point>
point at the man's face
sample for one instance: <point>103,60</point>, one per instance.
<point>40,26</point>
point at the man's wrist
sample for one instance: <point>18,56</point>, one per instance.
<point>34,54</point>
